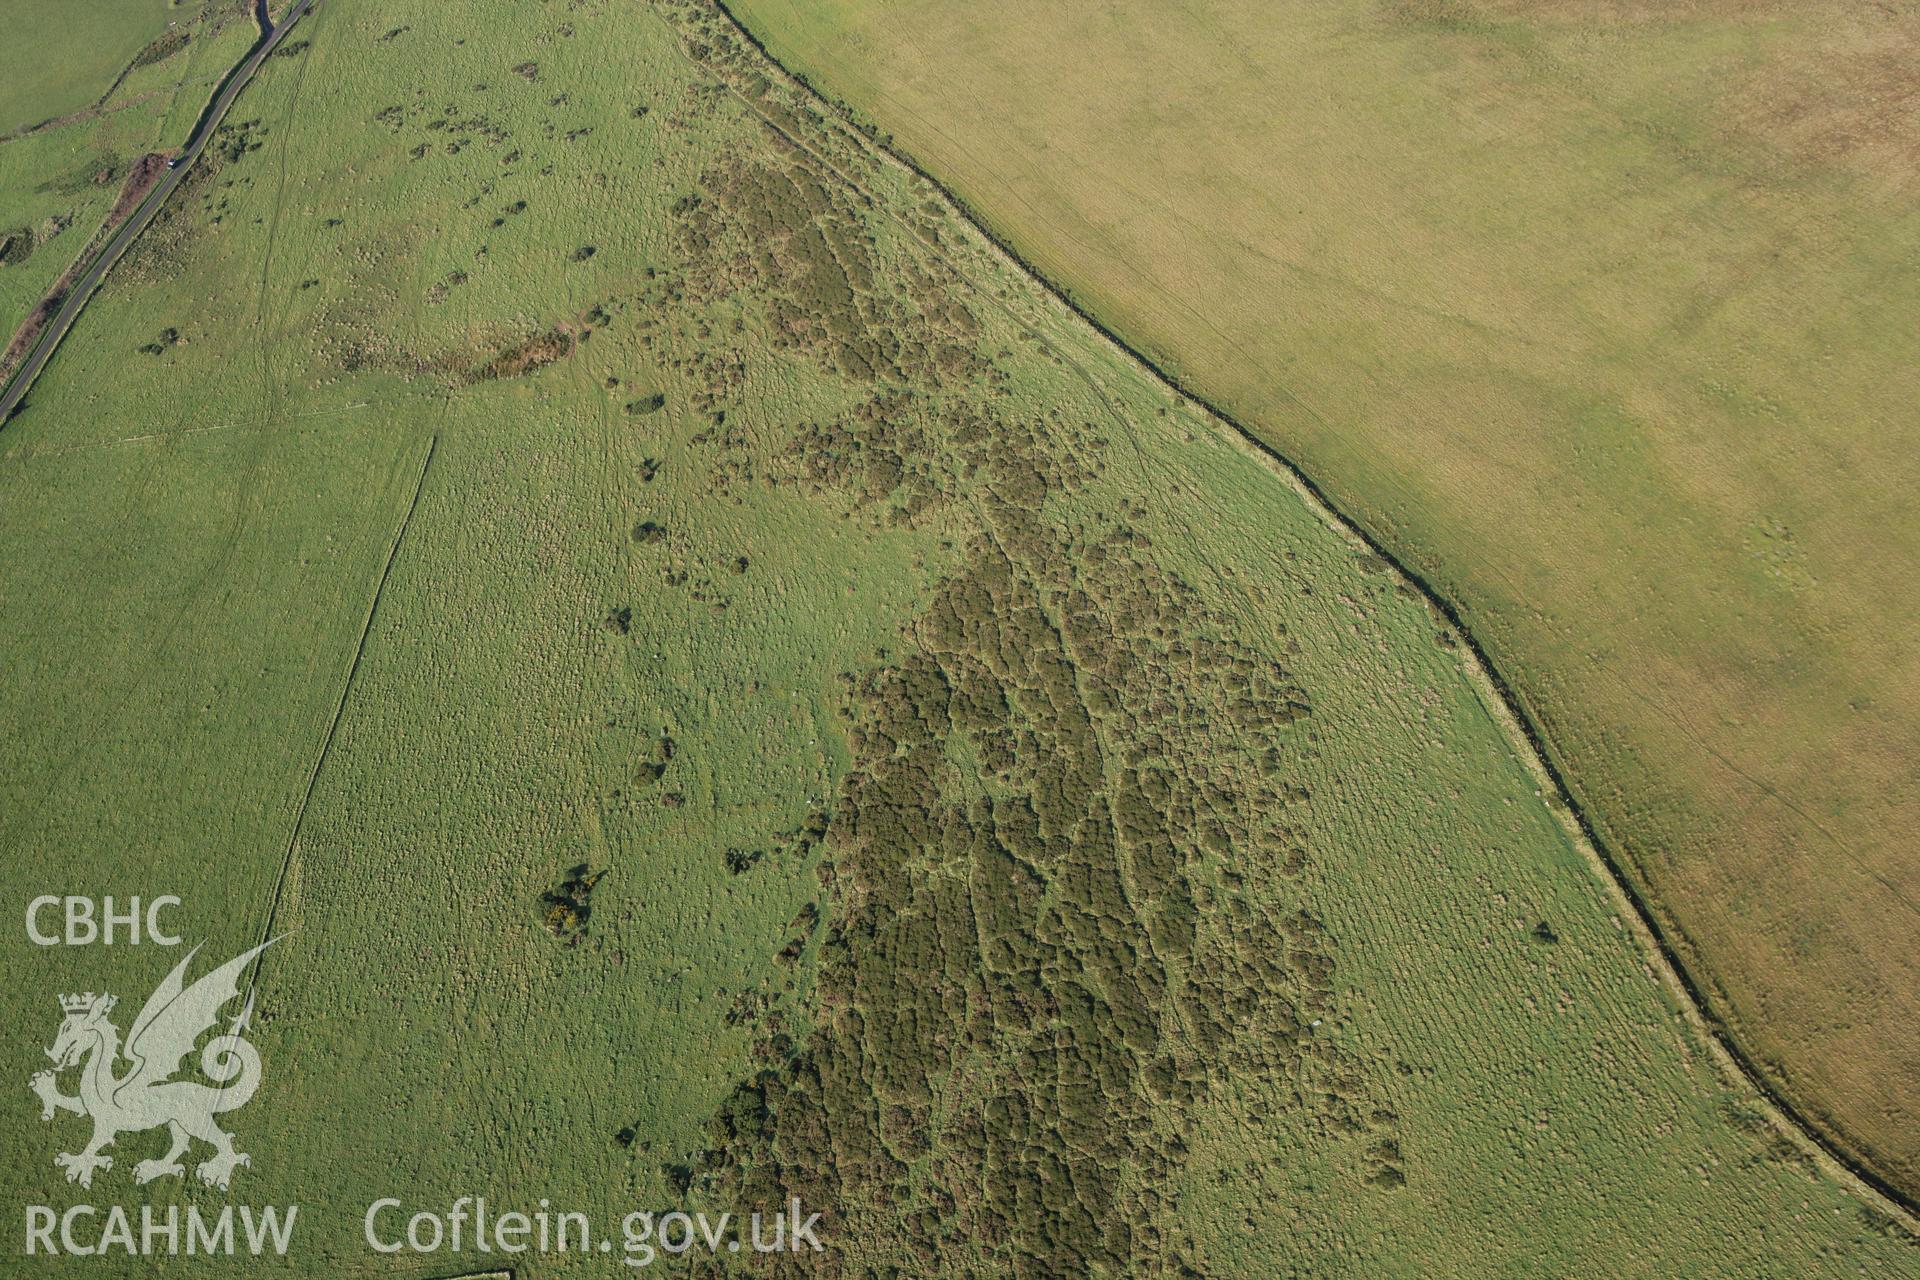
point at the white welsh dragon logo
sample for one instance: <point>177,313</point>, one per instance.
<point>146,1096</point>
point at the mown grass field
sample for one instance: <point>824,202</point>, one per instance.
<point>58,182</point>
<point>1030,834</point>
<point>60,58</point>
<point>1602,317</point>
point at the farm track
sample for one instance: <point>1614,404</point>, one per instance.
<point>1515,717</point>
<point>340,709</point>
<point>116,247</point>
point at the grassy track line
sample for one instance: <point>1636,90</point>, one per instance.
<point>1840,846</point>
<point>1831,1148</point>
<point>181,434</point>
<point>339,710</point>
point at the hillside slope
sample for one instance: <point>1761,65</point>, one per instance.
<point>1599,316</point>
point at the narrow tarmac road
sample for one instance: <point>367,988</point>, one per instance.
<point>129,231</point>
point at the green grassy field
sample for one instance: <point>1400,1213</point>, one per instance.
<point>1031,834</point>
<point>57,183</point>
<point>1602,317</point>
<point>58,59</point>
